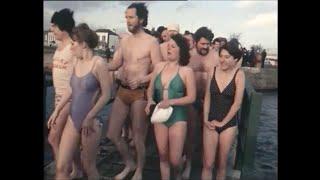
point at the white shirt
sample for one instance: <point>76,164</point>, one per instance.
<point>63,62</point>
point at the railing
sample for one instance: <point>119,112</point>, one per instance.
<point>46,83</point>
<point>247,138</point>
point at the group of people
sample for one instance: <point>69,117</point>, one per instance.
<point>254,58</point>
<point>202,83</point>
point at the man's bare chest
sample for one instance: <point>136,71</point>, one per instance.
<point>136,53</point>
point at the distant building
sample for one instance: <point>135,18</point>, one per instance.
<point>106,38</point>
<point>49,39</point>
<point>272,57</point>
<point>273,51</point>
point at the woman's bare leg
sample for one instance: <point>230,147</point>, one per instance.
<point>177,135</point>
<point>210,143</point>
<point>89,151</point>
<point>226,139</point>
<point>161,133</point>
<point>70,141</point>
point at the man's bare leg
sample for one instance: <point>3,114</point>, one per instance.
<point>192,112</point>
<point>118,116</point>
<point>139,129</point>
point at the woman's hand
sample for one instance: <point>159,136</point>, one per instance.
<point>52,120</point>
<point>217,123</point>
<point>164,104</point>
<point>87,125</point>
<point>209,125</point>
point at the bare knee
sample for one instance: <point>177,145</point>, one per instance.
<point>222,165</point>
<point>88,165</point>
<point>53,139</point>
<point>138,140</point>
<point>207,165</point>
<point>163,156</point>
<point>175,161</point>
<point>63,168</point>
<point>113,137</point>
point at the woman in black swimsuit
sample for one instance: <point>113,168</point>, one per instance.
<point>224,92</point>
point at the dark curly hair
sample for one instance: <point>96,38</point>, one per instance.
<point>203,32</point>
<point>222,39</point>
<point>141,11</point>
<point>64,20</point>
<point>161,29</point>
<point>82,33</point>
<point>234,48</point>
<point>184,49</point>
<point>216,40</point>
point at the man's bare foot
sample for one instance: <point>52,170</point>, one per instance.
<point>131,143</point>
<point>184,159</point>
<point>94,177</point>
<point>75,174</point>
<point>178,177</point>
<point>129,168</point>
<point>137,175</point>
<point>187,170</point>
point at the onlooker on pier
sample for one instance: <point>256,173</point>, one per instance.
<point>245,61</point>
<point>190,37</point>
<point>251,58</point>
<point>215,45</point>
<point>192,43</point>
<point>108,54</point>
<point>263,57</point>
<point>223,41</point>
<point>257,60</point>
<point>173,29</point>
<point>164,34</point>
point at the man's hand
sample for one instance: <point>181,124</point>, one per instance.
<point>134,84</point>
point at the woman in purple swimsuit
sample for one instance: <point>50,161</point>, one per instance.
<point>223,97</point>
<point>90,91</point>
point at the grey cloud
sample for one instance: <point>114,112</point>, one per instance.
<point>127,3</point>
<point>78,7</point>
<point>74,5</point>
<point>185,6</point>
<point>124,3</point>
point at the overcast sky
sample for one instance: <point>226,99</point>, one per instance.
<point>257,21</point>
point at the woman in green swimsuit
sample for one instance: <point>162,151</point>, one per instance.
<point>172,84</point>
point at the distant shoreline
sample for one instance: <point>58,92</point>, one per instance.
<point>47,49</point>
<point>47,58</point>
